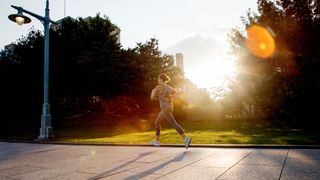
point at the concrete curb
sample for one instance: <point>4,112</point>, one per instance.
<point>265,146</point>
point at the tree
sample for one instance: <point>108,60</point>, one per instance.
<point>87,68</point>
<point>150,63</point>
<point>21,86</point>
<point>285,85</point>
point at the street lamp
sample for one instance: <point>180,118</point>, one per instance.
<point>46,130</point>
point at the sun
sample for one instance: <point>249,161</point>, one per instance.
<point>213,73</point>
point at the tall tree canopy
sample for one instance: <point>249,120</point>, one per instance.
<point>86,62</point>
<point>285,85</point>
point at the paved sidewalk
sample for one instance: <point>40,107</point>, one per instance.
<point>46,161</point>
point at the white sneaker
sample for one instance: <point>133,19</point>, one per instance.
<point>155,143</point>
<point>187,141</point>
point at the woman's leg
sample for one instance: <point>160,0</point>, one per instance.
<point>169,117</point>
<point>173,123</point>
<point>158,125</point>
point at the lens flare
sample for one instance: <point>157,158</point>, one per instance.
<point>260,41</point>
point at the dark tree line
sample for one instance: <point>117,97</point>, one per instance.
<point>87,69</point>
<point>286,85</point>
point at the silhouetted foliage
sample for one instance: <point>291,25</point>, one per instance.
<point>89,73</point>
<point>286,85</point>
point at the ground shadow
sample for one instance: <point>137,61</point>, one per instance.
<point>113,170</point>
<point>179,157</point>
<point>9,150</point>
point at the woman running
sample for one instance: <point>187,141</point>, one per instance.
<point>163,93</point>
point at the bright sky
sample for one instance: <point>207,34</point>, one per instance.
<point>196,28</point>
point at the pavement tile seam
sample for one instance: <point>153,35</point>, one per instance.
<point>261,160</point>
<point>252,173</point>
<point>303,158</point>
<point>311,176</point>
<point>261,165</point>
<point>240,165</point>
<point>303,171</point>
<point>284,163</point>
<point>233,165</point>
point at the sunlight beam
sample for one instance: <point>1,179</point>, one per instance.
<point>214,73</point>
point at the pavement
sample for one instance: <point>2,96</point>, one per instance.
<point>54,161</point>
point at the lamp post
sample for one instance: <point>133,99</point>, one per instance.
<point>46,130</point>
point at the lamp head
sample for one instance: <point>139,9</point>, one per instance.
<point>19,18</point>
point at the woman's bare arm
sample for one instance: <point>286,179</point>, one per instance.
<point>155,93</point>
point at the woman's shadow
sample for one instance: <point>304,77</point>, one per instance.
<point>178,158</point>
<point>114,170</point>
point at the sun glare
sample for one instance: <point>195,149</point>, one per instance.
<point>213,73</point>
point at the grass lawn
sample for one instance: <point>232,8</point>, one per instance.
<point>202,132</point>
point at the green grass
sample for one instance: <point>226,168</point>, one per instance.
<point>202,132</point>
